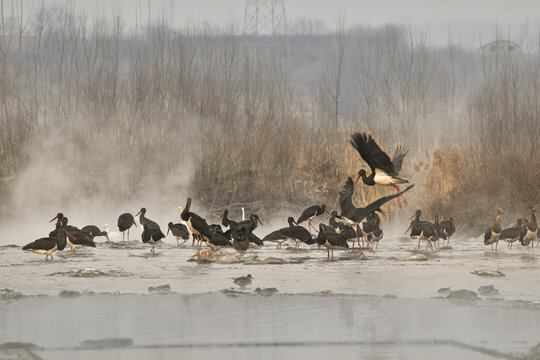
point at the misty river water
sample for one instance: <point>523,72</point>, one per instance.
<point>379,307</point>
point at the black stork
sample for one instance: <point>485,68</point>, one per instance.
<point>125,222</point>
<point>383,170</point>
<point>219,239</point>
<point>331,240</point>
<point>512,234</point>
<point>493,233</point>
<point>198,226</point>
<point>151,235</point>
<point>371,228</point>
<point>225,221</point>
<point>294,232</point>
<point>145,221</point>
<point>277,235</point>
<point>247,227</point>
<point>352,215</point>
<point>94,231</point>
<point>77,238</point>
<point>48,245</point>
<point>529,232</point>
<point>440,232</point>
<point>422,230</point>
<point>179,231</point>
<point>448,228</point>
<point>310,213</point>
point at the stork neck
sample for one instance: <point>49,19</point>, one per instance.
<point>185,213</point>
<point>368,180</point>
<point>497,225</point>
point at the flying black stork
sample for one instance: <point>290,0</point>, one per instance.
<point>94,231</point>
<point>493,233</point>
<point>448,228</point>
<point>125,222</point>
<point>151,235</point>
<point>198,226</point>
<point>422,230</point>
<point>352,215</point>
<point>512,234</point>
<point>145,221</point>
<point>48,245</point>
<point>529,232</point>
<point>383,170</point>
<point>179,231</point>
<point>310,213</point>
<point>331,240</point>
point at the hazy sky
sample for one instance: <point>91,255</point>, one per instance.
<point>373,12</point>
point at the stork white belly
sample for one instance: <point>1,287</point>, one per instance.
<point>383,178</point>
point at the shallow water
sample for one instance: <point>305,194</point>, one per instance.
<point>380,306</point>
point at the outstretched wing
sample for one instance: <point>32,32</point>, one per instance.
<point>399,155</point>
<point>372,153</point>
<point>380,202</point>
<point>345,198</point>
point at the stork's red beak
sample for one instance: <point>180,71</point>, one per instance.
<point>357,178</point>
<point>54,218</point>
<point>168,231</point>
<point>259,220</point>
<point>74,238</point>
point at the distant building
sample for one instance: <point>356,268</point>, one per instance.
<point>500,47</point>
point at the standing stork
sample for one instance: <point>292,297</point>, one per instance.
<point>125,222</point>
<point>198,226</point>
<point>383,170</point>
<point>529,232</point>
<point>310,213</point>
<point>493,233</point>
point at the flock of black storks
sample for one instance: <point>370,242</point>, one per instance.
<point>352,224</point>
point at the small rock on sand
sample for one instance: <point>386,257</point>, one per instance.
<point>462,295</point>
<point>444,291</point>
<point>487,290</point>
<point>69,293</point>
<point>273,261</point>
<point>487,272</point>
<point>417,257</point>
<point>160,289</point>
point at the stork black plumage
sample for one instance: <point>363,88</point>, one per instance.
<point>48,245</point>
<point>145,221</point>
<point>125,222</point>
<point>383,170</point>
<point>331,240</point>
<point>448,228</point>
<point>198,226</point>
<point>179,231</point>
<point>512,234</point>
<point>151,235</point>
<point>352,215</point>
<point>422,230</point>
<point>310,213</point>
<point>493,233</point>
<point>94,231</point>
<point>529,232</point>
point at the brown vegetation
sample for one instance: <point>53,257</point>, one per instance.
<point>90,111</point>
